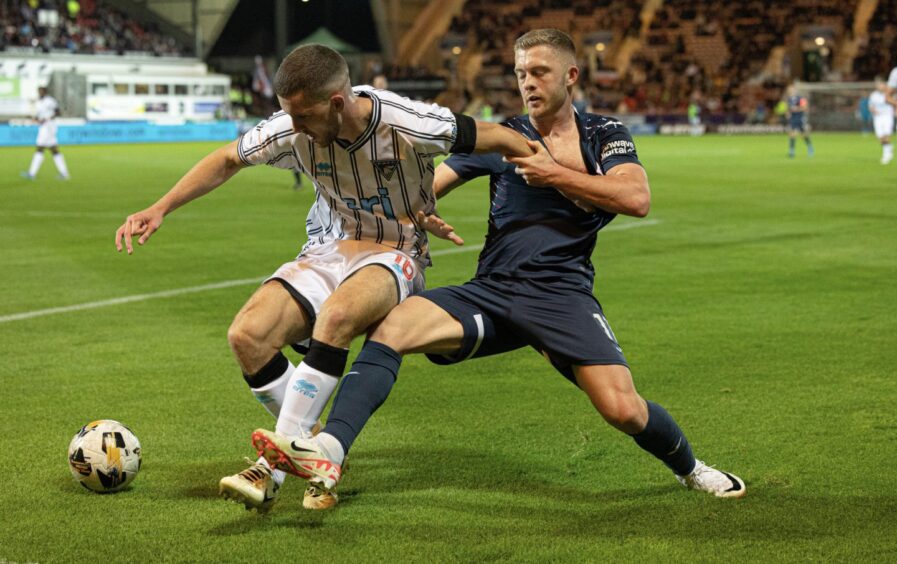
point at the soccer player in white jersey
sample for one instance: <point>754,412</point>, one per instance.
<point>47,111</point>
<point>370,155</point>
<point>882,108</point>
<point>892,81</point>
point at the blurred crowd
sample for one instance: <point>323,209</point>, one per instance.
<point>723,57</point>
<point>85,26</point>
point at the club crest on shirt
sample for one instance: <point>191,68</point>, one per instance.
<point>387,168</point>
<point>323,169</point>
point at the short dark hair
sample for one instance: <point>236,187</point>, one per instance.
<point>316,70</point>
<point>551,37</point>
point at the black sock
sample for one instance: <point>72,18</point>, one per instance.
<point>270,372</point>
<point>363,390</point>
<point>663,438</point>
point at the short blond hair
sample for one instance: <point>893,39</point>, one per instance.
<point>552,37</point>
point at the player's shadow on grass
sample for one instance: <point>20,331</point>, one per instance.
<point>400,470</point>
<point>509,491</point>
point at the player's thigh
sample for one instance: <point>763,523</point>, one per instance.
<point>884,126</point>
<point>273,316</point>
<point>362,299</point>
<point>418,325</point>
<point>473,322</point>
<point>46,135</point>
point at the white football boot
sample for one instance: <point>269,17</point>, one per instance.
<point>708,479</point>
<point>254,487</point>
<point>305,458</point>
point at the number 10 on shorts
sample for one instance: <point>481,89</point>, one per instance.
<point>404,266</point>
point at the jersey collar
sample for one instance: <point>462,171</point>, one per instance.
<point>372,125</point>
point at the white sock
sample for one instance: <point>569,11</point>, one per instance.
<point>306,395</point>
<point>887,151</point>
<point>271,395</point>
<point>36,161</point>
<point>331,447</point>
<point>60,164</point>
<point>278,475</point>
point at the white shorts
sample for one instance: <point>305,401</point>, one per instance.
<point>884,125</point>
<point>46,134</point>
<point>316,273</point>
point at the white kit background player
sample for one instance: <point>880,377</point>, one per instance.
<point>46,113</point>
<point>370,155</point>
<point>882,108</point>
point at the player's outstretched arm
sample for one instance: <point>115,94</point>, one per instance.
<point>495,138</point>
<point>209,173</point>
<point>623,189</point>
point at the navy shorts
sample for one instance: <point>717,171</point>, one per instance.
<point>565,325</point>
<point>798,124</point>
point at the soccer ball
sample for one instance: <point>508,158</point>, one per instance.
<point>104,456</point>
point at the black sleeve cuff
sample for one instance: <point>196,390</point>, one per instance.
<point>466,139</point>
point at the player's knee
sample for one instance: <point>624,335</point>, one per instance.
<point>242,340</point>
<point>336,324</point>
<point>625,414</point>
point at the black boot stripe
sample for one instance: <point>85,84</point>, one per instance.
<point>736,485</point>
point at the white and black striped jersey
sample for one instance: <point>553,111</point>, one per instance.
<point>372,188</point>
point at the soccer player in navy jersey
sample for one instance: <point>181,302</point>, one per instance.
<point>534,281</point>
<point>797,120</point>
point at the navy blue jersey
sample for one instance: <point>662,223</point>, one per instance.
<point>799,102</point>
<point>537,233</point>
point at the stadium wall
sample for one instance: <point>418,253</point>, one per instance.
<point>95,133</point>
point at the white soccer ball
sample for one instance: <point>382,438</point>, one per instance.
<point>104,456</point>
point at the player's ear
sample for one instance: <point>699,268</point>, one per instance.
<point>572,75</point>
<point>338,101</point>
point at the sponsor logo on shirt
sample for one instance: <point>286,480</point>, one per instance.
<point>619,147</point>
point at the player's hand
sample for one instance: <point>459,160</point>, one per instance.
<point>437,226</point>
<point>143,223</point>
<point>538,168</point>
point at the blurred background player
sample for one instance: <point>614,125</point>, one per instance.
<point>694,115</point>
<point>47,111</point>
<point>797,120</point>
<point>882,108</point>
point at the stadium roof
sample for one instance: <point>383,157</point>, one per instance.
<point>324,36</point>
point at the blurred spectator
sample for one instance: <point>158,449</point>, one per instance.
<point>80,27</point>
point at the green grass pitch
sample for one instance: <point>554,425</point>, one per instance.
<point>756,302</point>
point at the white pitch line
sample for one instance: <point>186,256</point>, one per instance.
<point>127,299</point>
<point>241,282</point>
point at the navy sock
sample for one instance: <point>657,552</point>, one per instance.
<point>791,145</point>
<point>363,390</point>
<point>663,438</point>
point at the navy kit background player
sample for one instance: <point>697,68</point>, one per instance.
<point>369,154</point>
<point>533,285</point>
<point>798,106</point>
